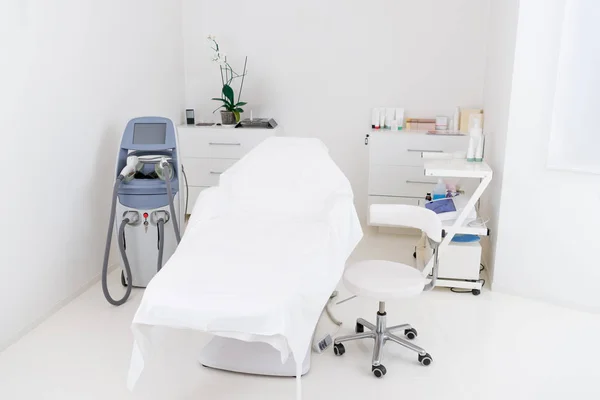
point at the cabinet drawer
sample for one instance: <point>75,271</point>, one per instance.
<point>220,144</point>
<point>406,149</point>
<point>205,171</point>
<point>391,180</point>
<point>193,193</point>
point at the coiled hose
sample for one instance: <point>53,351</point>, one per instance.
<point>121,241</point>
<point>111,221</point>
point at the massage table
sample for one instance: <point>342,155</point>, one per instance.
<point>260,257</point>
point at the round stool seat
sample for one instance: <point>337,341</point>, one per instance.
<point>383,280</point>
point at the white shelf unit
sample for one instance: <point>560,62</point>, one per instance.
<point>460,168</point>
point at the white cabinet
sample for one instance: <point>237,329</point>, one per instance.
<point>207,152</point>
<point>396,165</point>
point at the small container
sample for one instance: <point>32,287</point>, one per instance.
<point>439,191</point>
<point>456,120</point>
<point>400,117</point>
<point>441,123</point>
<point>382,118</point>
<point>390,115</point>
<point>375,119</point>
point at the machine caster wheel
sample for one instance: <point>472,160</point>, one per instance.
<point>360,328</point>
<point>378,370</point>
<point>476,292</point>
<point>339,349</point>
<point>410,333</point>
<point>415,255</point>
<point>426,359</point>
<point>123,281</point>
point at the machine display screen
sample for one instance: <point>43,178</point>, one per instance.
<point>144,133</point>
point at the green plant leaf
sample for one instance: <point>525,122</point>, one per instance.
<point>237,116</point>
<point>241,103</point>
<point>241,110</point>
<point>225,102</point>
<point>221,106</point>
<point>228,93</point>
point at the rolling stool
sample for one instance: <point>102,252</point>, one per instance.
<point>387,280</point>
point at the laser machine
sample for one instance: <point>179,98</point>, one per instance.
<point>146,208</point>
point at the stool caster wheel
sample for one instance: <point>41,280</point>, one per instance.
<point>359,328</point>
<point>378,370</point>
<point>476,292</point>
<point>410,333</point>
<point>339,349</point>
<point>425,360</point>
<point>123,281</point>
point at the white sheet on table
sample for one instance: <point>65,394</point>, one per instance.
<point>261,254</point>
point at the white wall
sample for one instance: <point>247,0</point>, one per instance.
<point>72,73</point>
<point>319,67</point>
<point>547,242</point>
<point>501,40</point>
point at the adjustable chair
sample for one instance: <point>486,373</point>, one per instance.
<point>386,280</point>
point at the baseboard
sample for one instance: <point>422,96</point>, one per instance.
<point>53,310</point>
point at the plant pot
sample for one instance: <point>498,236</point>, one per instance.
<point>228,118</point>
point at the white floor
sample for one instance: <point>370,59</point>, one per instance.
<point>489,347</point>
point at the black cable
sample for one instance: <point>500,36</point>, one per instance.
<point>481,267</point>
<point>187,191</point>
<point>160,228</point>
<point>456,290</point>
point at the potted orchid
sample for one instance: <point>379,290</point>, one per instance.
<point>232,108</point>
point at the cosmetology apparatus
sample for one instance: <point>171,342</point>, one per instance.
<point>146,207</point>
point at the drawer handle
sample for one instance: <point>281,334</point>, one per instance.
<point>425,151</point>
<point>421,182</point>
<point>223,144</point>
<point>215,173</point>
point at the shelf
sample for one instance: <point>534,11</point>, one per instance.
<point>479,230</point>
<point>457,168</point>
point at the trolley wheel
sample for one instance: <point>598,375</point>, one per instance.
<point>123,281</point>
<point>410,333</point>
<point>426,359</point>
<point>359,328</point>
<point>339,349</point>
<point>476,292</point>
<point>378,370</point>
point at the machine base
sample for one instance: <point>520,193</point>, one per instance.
<point>255,358</point>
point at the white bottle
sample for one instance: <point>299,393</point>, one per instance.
<point>475,141</point>
<point>400,118</point>
<point>382,118</point>
<point>439,191</point>
<point>375,119</point>
<point>389,117</point>
<point>479,150</point>
<point>456,120</point>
